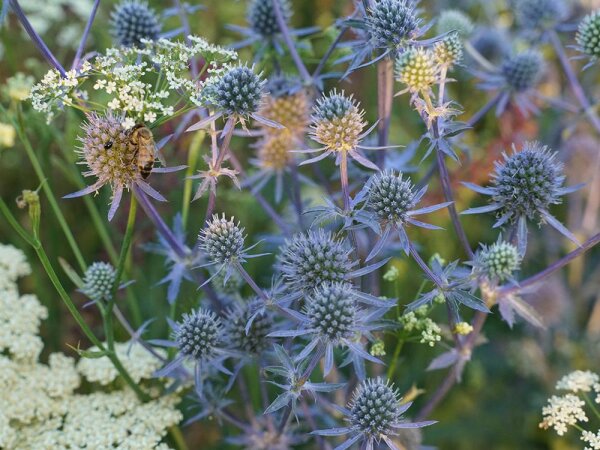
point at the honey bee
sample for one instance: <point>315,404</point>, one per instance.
<point>141,142</point>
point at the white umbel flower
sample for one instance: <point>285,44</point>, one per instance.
<point>578,381</point>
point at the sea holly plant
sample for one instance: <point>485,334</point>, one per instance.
<point>280,301</point>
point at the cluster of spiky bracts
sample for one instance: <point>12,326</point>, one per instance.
<point>222,239</point>
<point>528,181</point>
<point>391,197</point>
<point>390,23</point>
<point>133,21</point>
<point>308,260</point>
<point>239,91</point>
<point>106,152</point>
<point>199,334</point>
<point>588,34</point>
<point>498,262</point>
<point>522,71</point>
<point>262,18</point>
<point>98,281</point>
<point>337,122</point>
<point>251,340</point>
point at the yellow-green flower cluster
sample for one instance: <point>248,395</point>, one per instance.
<point>417,323</point>
<point>417,69</point>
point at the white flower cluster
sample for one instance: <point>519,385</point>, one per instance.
<point>562,412</point>
<point>39,408</point>
<point>418,322</point>
<point>593,440</point>
<point>136,359</point>
<point>126,80</point>
<point>578,381</point>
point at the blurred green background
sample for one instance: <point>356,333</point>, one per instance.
<point>498,403</point>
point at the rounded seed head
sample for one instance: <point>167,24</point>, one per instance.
<point>539,14</point>
<point>522,70</point>
<point>331,309</point>
<point>448,51</point>
<point>98,281</point>
<point>337,122</point>
<point>256,340</point>
<point>588,34</point>
<point>390,196</point>
<point>417,68</point>
<point>528,181</point>
<point>391,22</point>
<point>308,260</point>
<point>132,21</point>
<point>274,152</point>
<point>199,334</point>
<point>498,261</point>
<point>106,151</point>
<point>454,20</point>
<point>262,19</point>
<point>239,91</point>
<point>375,408</point>
<point>222,239</point>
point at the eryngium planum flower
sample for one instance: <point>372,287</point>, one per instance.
<point>98,281</point>
<point>588,35</point>
<point>250,340</point>
<point>498,261</point>
<point>391,198</point>
<point>132,21</point>
<point>539,14</point>
<point>222,239</point>
<point>524,186</point>
<point>390,23</point>
<point>262,19</point>
<point>309,259</point>
<point>374,415</point>
<point>199,337</point>
<point>448,51</point>
<point>454,20</point>
<point>239,91</point>
<point>522,71</point>
<point>417,69</point>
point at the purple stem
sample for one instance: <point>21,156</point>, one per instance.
<point>285,33</point>
<point>246,276</point>
<point>86,32</point>
<point>573,81</point>
<point>591,242</point>
<point>328,53</point>
<point>37,40</point>
<point>447,188</point>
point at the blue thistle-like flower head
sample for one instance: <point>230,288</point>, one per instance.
<point>454,20</point>
<point>239,91</point>
<point>309,259</point>
<point>588,35</point>
<point>417,69</point>
<point>331,311</point>
<point>448,51</point>
<point>222,240</point>
<point>249,340</point>
<point>391,197</point>
<point>528,181</point>
<point>132,21</point>
<point>375,408</point>
<point>98,281</point>
<point>539,14</point>
<point>262,19</point>
<point>199,334</point>
<point>522,71</point>
<point>390,23</point>
<point>498,261</point>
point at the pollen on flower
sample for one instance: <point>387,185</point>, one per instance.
<point>274,152</point>
<point>106,151</point>
<point>417,69</point>
<point>337,122</point>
